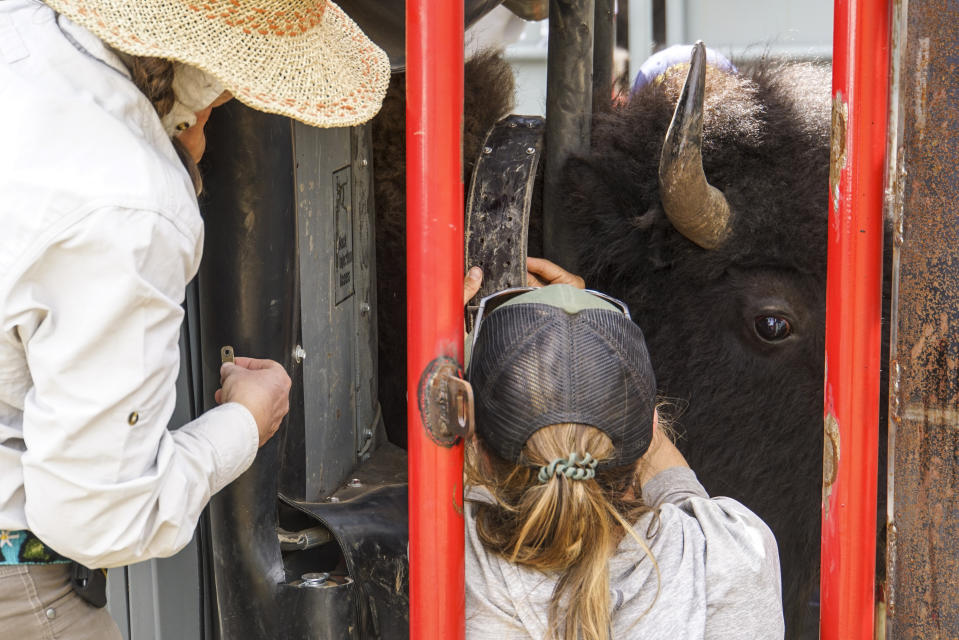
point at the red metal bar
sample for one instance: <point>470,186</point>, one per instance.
<point>853,318</point>
<point>434,253</point>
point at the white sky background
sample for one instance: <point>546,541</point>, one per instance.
<point>736,28</point>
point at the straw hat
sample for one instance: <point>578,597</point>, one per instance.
<point>305,59</point>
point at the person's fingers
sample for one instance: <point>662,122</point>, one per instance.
<point>472,283</point>
<point>245,362</point>
<point>254,364</point>
<point>533,281</point>
<point>548,272</point>
<point>218,396</point>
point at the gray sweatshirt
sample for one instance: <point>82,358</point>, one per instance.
<point>718,563</point>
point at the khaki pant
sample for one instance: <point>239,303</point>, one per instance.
<point>36,603</point>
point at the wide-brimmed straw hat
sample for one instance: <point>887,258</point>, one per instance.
<point>305,59</point>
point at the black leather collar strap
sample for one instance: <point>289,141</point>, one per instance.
<point>498,207</point>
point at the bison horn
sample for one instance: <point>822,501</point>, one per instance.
<point>698,210</point>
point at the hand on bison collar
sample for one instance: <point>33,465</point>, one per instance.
<point>541,272</point>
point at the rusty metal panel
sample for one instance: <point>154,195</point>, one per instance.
<point>923,489</point>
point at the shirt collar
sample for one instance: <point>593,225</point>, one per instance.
<point>89,44</point>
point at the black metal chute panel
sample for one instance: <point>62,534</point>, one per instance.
<point>247,299</point>
<point>288,275</point>
<point>569,112</point>
<point>368,519</point>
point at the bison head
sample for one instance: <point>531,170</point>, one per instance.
<point>712,227</point>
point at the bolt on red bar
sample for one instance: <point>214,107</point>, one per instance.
<point>853,318</point>
<point>434,253</point>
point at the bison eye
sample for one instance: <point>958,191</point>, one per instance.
<point>772,328</point>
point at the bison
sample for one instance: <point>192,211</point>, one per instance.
<point>718,245</point>
<point>720,252</point>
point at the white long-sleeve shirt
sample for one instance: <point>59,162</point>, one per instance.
<point>99,234</point>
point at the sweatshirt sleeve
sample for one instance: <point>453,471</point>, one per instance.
<point>673,486</point>
<point>742,573</point>
<point>99,315</point>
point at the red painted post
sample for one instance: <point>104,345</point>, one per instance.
<point>434,253</point>
<point>853,318</point>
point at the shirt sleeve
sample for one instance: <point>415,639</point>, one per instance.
<point>99,316</point>
<point>674,485</point>
<point>742,573</point>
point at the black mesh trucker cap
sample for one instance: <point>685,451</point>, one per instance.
<point>561,354</point>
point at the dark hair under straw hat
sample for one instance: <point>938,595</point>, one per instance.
<point>562,355</point>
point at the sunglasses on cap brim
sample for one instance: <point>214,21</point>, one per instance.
<point>493,301</point>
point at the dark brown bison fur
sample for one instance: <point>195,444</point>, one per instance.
<point>752,425</point>
<point>488,90</point>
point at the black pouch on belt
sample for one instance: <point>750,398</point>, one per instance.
<point>89,584</point>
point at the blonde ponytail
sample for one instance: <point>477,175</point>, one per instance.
<point>566,526</point>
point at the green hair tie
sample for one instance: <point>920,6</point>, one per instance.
<point>572,467</point>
